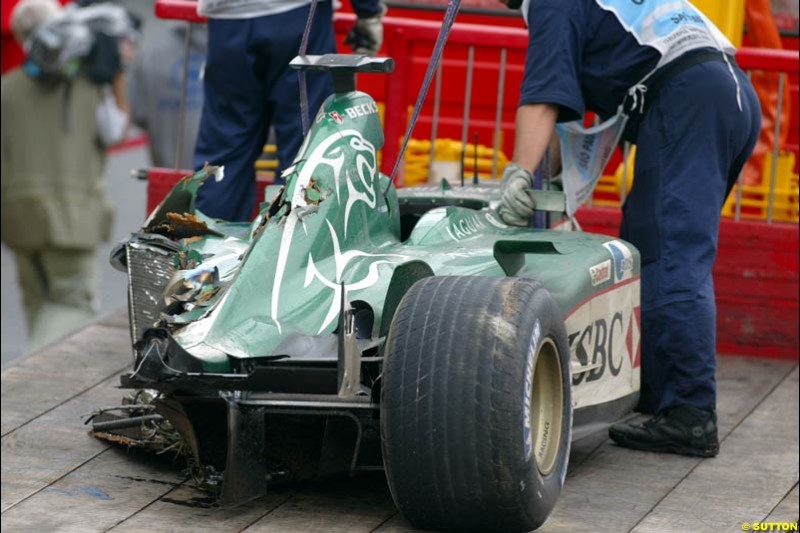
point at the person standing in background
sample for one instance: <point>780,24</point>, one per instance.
<point>57,120</point>
<point>249,86</point>
<point>155,85</point>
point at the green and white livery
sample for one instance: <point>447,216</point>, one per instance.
<point>421,333</point>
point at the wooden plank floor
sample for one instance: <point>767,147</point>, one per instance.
<point>57,478</point>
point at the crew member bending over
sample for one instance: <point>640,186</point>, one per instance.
<point>695,118</point>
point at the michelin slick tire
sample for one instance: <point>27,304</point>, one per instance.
<point>476,406</point>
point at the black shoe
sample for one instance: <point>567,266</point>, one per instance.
<point>682,429</point>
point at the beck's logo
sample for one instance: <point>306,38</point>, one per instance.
<point>362,110</point>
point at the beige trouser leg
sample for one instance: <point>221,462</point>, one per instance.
<point>58,288</point>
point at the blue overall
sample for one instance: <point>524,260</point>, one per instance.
<point>692,142</point>
<point>248,88</point>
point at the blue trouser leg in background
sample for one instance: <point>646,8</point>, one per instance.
<point>248,87</point>
<point>691,146</point>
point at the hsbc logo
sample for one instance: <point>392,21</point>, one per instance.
<point>604,335</point>
<point>603,344</point>
<point>595,346</point>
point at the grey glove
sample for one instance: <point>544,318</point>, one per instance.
<point>516,204</point>
<point>366,37</point>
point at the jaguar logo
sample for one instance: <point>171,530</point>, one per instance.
<point>341,260</point>
<point>359,185</point>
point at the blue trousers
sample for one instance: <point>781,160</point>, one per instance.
<point>248,88</point>
<point>691,146</point>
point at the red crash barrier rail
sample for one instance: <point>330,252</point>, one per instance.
<point>473,52</point>
<point>786,62</point>
<point>178,10</point>
<point>409,42</point>
<point>768,187</point>
<point>767,59</point>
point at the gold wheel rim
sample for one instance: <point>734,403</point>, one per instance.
<point>547,406</point>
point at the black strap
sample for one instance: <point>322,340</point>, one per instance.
<point>301,76</point>
<point>657,81</point>
<point>436,56</point>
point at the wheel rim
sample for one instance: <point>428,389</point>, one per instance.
<point>547,403</point>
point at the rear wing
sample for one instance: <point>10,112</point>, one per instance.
<point>343,67</point>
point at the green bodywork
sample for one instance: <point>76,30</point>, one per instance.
<point>331,229</point>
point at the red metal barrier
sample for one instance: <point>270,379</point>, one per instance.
<point>161,180</point>
<point>178,10</point>
<point>409,42</point>
<point>756,283</point>
<point>766,59</point>
<point>778,61</point>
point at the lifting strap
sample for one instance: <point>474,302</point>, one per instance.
<point>436,56</point>
<point>301,76</point>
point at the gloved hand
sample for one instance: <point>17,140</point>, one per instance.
<point>516,203</point>
<point>366,37</point>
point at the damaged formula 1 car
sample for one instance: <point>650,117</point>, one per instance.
<point>408,330</point>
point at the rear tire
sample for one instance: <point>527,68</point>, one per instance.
<point>476,407</point>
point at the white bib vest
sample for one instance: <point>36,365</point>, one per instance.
<point>672,27</point>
